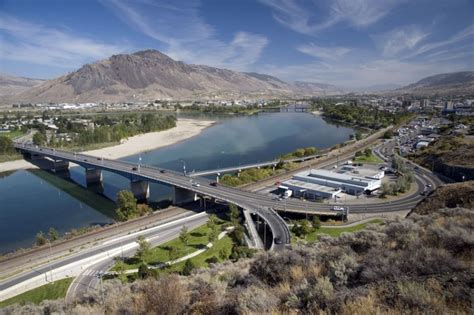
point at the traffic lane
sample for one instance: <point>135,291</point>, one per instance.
<point>84,255</point>
<point>85,282</point>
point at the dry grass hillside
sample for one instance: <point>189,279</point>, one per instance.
<point>419,265</point>
<point>448,196</point>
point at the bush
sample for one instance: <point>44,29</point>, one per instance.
<point>188,267</point>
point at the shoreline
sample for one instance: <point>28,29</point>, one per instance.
<point>185,128</point>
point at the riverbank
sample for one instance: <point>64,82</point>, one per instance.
<point>185,129</point>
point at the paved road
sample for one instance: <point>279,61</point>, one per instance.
<point>89,279</point>
<point>99,255</point>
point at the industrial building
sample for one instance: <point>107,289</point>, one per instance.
<point>317,184</point>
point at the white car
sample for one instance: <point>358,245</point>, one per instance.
<point>196,184</point>
<point>338,208</point>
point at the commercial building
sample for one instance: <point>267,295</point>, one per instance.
<point>316,184</point>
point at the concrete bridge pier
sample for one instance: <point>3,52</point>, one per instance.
<point>140,189</point>
<point>182,196</point>
<point>93,176</point>
<point>60,166</point>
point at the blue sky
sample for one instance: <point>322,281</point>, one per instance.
<point>351,43</point>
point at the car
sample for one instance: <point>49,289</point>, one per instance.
<point>213,184</point>
<point>162,171</point>
<point>428,185</point>
<point>134,168</point>
<point>85,160</point>
<point>98,158</point>
<point>196,184</point>
<point>338,208</point>
<point>277,240</point>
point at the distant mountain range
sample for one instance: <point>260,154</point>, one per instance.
<point>149,74</point>
<point>11,85</point>
<point>442,84</point>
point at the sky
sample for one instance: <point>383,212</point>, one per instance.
<point>349,43</point>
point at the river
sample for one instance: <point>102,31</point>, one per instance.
<point>32,201</point>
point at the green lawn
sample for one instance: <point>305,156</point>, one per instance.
<point>13,134</point>
<point>50,291</point>
<point>198,239</point>
<point>334,231</point>
<point>367,159</point>
<point>200,260</point>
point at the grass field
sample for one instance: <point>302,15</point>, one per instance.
<point>334,231</point>
<point>50,291</point>
<point>198,239</point>
<point>200,261</point>
<point>13,134</point>
<point>367,159</point>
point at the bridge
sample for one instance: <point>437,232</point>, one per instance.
<point>186,189</point>
<point>240,168</point>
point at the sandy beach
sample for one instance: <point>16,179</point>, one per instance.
<point>185,129</point>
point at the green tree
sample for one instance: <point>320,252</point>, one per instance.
<point>316,222</point>
<point>385,190</point>
<point>53,234</point>
<point>213,235</point>
<point>144,249</point>
<point>127,205</point>
<point>234,213</point>
<point>173,253</point>
<point>120,267</point>
<point>6,145</point>
<point>39,138</point>
<point>223,253</point>
<point>40,239</point>
<point>388,134</point>
<point>212,221</point>
<point>358,135</point>
<point>184,235</point>
<point>302,229</point>
<point>188,267</point>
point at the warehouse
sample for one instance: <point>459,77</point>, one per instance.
<point>320,183</point>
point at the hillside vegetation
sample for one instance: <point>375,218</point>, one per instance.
<point>422,264</point>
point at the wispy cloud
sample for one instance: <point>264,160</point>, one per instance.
<point>187,37</point>
<point>323,53</point>
<point>35,43</point>
<point>400,40</point>
<point>311,18</point>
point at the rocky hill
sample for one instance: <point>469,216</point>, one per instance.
<point>323,89</point>
<point>443,84</point>
<point>149,74</point>
<point>11,85</point>
<point>448,196</point>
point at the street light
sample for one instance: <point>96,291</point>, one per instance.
<point>184,167</point>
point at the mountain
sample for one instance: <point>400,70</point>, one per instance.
<point>11,85</point>
<point>446,83</point>
<point>149,74</point>
<point>322,89</point>
<point>376,88</point>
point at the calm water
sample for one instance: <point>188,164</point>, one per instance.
<point>31,201</point>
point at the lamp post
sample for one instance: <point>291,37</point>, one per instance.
<point>184,167</point>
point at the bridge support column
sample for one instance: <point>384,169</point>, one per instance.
<point>93,176</point>
<point>60,166</point>
<point>140,189</point>
<point>182,196</point>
